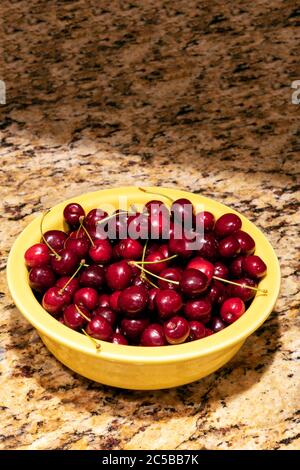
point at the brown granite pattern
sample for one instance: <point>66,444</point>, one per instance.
<point>194,95</point>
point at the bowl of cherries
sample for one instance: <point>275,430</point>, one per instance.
<point>143,288</point>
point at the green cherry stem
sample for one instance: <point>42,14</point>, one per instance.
<point>257,289</point>
<point>43,238</point>
<point>81,219</point>
<point>158,261</point>
<point>82,263</point>
<point>151,274</point>
<point>81,313</point>
<point>98,346</point>
<point>156,194</point>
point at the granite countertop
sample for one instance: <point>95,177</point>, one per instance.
<point>193,95</point>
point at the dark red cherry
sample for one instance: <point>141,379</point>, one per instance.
<point>54,300</point>
<point>92,276</point>
<point>151,299</point>
<point>254,266</point>
<point>217,292</point>
<point>181,247</point>
<point>204,221</point>
<point>164,250</point>
<point>72,317</point>
<point>208,332</point>
<point>246,242</point>
<point>80,246</point>
<point>227,224</point>
<point>72,214</point>
<point>99,328</point>
<point>198,309</point>
<point>229,247</point>
<point>153,335</point>
<point>174,274</point>
<point>66,263</point>
<point>37,255</point>
<point>41,278</point>
<point>101,252</point>
<point>197,330</point>
<point>118,338</point>
<point>132,328</point>
<point>93,217</point>
<point>242,291</point>
<point>182,212</point>
<point>129,249</point>
<point>106,313</point>
<point>176,330</point>
<point>208,247</point>
<point>216,325</point>
<point>140,282</point>
<point>133,300</point>
<point>221,270</point>
<point>114,301</point>
<point>69,286</point>
<point>168,302</point>
<point>86,296</point>
<point>154,206</point>
<point>56,239</point>
<point>103,300</point>
<point>78,233</point>
<point>119,275</point>
<point>203,265</point>
<point>156,265</point>
<point>193,282</point>
<point>232,309</point>
<point>235,267</point>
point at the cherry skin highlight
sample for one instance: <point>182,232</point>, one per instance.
<point>37,255</point>
<point>118,338</point>
<point>153,335</point>
<point>103,300</point>
<point>119,275</point>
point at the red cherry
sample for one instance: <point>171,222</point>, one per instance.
<point>193,282</point>
<point>197,330</point>
<point>235,267</point>
<point>198,309</point>
<point>221,270</point>
<point>227,224</point>
<point>157,267</point>
<point>92,276</point>
<point>254,266</point>
<point>72,317</point>
<point>80,246</point>
<point>217,324</point>
<point>71,285</point>
<point>180,247</point>
<point>164,250</point>
<point>106,313</point>
<point>232,309</point>
<point>72,214</point>
<point>174,274</point>
<point>216,293</point>
<point>133,300</point>
<point>208,332</point>
<point>118,338</point>
<point>66,263</point>
<point>151,299</point>
<point>229,247</point>
<point>103,300</point>
<point>55,300</point>
<point>246,242</point>
<point>205,220</point>
<point>202,265</point>
<point>78,233</point>
<point>99,328</point>
<point>132,328</point>
<point>153,335</point>
<point>41,278</point>
<point>114,301</point>
<point>168,303</point>
<point>182,212</point>
<point>138,281</point>
<point>37,255</point>
<point>176,330</point>
<point>129,249</point>
<point>93,217</point>
<point>241,291</point>
<point>55,238</point>
<point>208,246</point>
<point>101,252</point>
<point>86,296</point>
<point>119,275</point>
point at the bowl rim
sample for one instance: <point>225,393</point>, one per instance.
<point>237,332</point>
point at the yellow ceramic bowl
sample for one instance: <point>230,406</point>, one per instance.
<point>135,367</point>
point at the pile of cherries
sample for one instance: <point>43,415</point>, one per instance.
<point>142,291</point>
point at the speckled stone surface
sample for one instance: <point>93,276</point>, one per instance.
<point>194,95</point>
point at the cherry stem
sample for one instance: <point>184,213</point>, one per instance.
<point>81,219</point>
<point>264,291</point>
<point>82,263</point>
<point>157,194</point>
<point>98,346</point>
<point>143,276</point>
<point>42,234</point>
<point>81,313</point>
<point>110,217</point>
<point>157,261</point>
<point>152,274</point>
<point>150,282</point>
